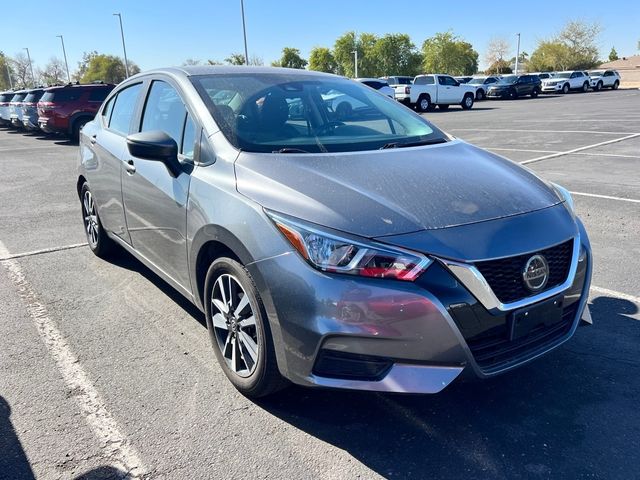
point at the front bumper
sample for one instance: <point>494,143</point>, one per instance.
<point>502,93</point>
<point>380,335</point>
<point>552,88</point>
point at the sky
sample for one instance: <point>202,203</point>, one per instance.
<point>165,33</point>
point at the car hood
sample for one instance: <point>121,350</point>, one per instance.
<point>394,191</point>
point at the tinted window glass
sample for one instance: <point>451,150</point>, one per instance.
<point>189,138</point>
<point>123,109</point>
<point>426,80</point>
<point>448,81</point>
<point>18,97</point>
<point>164,111</point>
<point>5,98</point>
<point>33,97</point>
<point>98,94</point>
<point>270,112</point>
<point>62,95</point>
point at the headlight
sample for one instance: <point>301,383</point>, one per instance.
<point>564,195</point>
<point>332,253</point>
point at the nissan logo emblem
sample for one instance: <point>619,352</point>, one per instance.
<point>536,273</point>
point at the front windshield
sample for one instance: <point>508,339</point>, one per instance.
<point>272,112</point>
<point>562,75</point>
<point>509,79</point>
<point>476,81</point>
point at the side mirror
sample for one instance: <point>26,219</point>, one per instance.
<point>155,145</point>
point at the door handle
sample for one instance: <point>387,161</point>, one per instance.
<point>130,167</point>
<point>93,139</point>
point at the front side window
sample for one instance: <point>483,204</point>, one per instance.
<point>448,81</point>
<point>124,109</point>
<point>307,114</point>
<point>164,111</point>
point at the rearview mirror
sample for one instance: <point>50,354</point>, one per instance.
<point>155,145</point>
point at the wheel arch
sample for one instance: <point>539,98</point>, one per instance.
<point>77,116</point>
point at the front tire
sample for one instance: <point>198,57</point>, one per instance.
<point>467,101</point>
<point>239,330</point>
<point>615,86</point>
<point>565,88</point>
<point>585,87</point>
<point>480,95</point>
<point>598,86</point>
<point>535,93</point>
<point>99,242</point>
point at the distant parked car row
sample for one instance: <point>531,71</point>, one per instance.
<point>61,109</point>
<point>425,92</point>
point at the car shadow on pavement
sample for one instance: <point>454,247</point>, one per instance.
<point>13,459</point>
<point>570,414</point>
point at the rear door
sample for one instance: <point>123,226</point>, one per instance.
<point>108,144</point>
<point>156,201</point>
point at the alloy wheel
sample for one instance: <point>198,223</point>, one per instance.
<point>90,218</point>
<point>234,325</point>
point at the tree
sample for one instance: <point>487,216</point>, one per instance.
<point>321,60</point>
<point>497,50</point>
<point>613,55</point>
<point>107,68</point>
<point>395,54</point>
<point>83,65</point>
<point>447,53</point>
<point>343,50</point>
<point>54,73</point>
<point>290,59</point>
<point>235,59</point>
<point>22,71</point>
<point>6,69</point>
<point>550,55</point>
<point>189,62</point>
<point>573,48</point>
<point>499,67</point>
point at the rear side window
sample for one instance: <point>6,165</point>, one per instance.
<point>124,108</point>
<point>62,95</point>
<point>164,111</point>
<point>6,98</point>
<point>33,97</point>
<point>375,85</point>
<point>98,94</point>
<point>18,97</point>
<point>427,80</point>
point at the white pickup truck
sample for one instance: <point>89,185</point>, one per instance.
<point>430,90</point>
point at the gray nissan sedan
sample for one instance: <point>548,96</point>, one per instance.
<point>331,236</point>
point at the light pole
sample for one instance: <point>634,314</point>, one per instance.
<point>33,77</point>
<point>517,53</point>
<point>64,52</point>
<point>355,53</point>
<point>244,32</point>
<point>124,47</point>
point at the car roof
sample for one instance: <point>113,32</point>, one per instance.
<point>231,69</point>
<point>366,79</point>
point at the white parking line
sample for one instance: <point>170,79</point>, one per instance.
<point>44,250</point>
<point>522,150</point>
<point>606,197</point>
<point>599,154</point>
<point>116,448</point>
<point>614,294</point>
<point>498,130</point>
<point>579,149</point>
<point>17,149</point>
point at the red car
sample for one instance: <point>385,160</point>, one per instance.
<point>67,108</point>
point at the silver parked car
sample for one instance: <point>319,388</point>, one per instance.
<point>374,253</point>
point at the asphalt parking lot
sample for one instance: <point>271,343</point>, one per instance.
<point>105,369</point>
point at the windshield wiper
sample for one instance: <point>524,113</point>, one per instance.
<point>413,144</point>
<point>290,150</point>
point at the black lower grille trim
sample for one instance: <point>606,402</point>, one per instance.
<point>494,351</point>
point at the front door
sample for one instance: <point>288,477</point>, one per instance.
<point>155,200</point>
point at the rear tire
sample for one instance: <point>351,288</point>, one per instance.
<point>99,242</point>
<point>424,104</point>
<point>565,88</point>
<point>467,101</point>
<point>241,336</point>
<point>77,126</point>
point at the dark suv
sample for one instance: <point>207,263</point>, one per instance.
<point>514,86</point>
<point>67,108</point>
